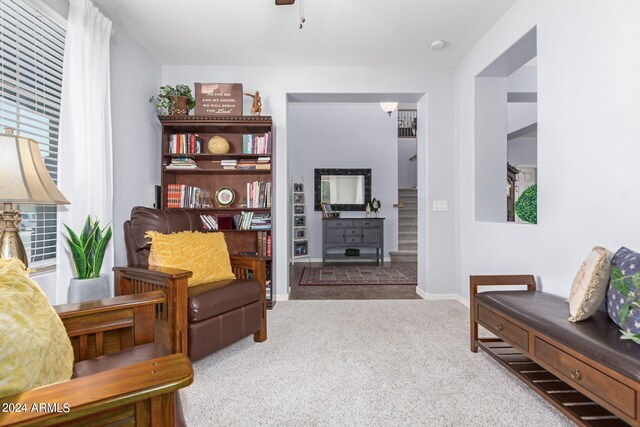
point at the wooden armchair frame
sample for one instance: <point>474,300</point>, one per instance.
<point>171,315</point>
<point>142,394</point>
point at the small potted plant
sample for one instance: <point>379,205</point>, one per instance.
<point>88,249</point>
<point>375,205</point>
<point>175,101</point>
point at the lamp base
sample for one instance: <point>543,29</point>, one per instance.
<point>10,243</point>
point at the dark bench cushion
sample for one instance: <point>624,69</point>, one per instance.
<point>211,299</point>
<point>596,337</point>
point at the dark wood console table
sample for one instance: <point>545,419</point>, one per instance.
<point>352,233</point>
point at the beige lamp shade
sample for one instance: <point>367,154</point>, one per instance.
<point>23,175</point>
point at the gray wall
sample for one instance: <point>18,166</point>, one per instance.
<point>135,77</point>
<point>523,151</point>
<point>331,135</point>
<point>407,169</point>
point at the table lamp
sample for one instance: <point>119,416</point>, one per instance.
<point>23,179</point>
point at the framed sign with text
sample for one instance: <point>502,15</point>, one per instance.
<point>218,99</point>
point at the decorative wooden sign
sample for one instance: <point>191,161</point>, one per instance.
<point>218,99</point>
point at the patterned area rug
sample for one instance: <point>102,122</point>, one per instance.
<point>359,275</point>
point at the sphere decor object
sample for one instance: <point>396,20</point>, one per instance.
<point>218,145</point>
<point>527,205</point>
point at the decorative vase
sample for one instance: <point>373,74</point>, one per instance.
<point>178,105</point>
<point>368,211</point>
<point>81,290</point>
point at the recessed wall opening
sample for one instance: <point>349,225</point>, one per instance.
<point>506,124</point>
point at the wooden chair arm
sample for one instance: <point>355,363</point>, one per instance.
<point>67,311</point>
<point>155,382</point>
<point>492,280</point>
<point>171,315</point>
<point>109,325</point>
<point>245,266</point>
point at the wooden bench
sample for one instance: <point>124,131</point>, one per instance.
<point>583,369</point>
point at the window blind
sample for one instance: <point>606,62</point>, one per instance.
<point>31,56</point>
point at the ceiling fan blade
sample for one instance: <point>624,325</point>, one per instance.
<point>284,2</point>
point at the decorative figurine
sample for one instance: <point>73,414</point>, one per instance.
<point>256,108</point>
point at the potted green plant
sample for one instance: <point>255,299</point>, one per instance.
<point>527,205</point>
<point>174,100</point>
<point>88,249</point>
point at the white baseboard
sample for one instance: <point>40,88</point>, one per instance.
<point>441,297</point>
<point>283,297</point>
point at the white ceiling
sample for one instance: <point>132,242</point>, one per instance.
<point>337,32</point>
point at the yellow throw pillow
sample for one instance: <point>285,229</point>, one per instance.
<point>35,348</point>
<point>204,254</point>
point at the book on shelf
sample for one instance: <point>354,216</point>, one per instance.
<point>252,221</point>
<point>184,196</point>
<point>182,163</point>
<point>259,194</point>
<point>229,164</point>
<point>264,243</point>
<point>209,222</point>
<point>256,144</point>
<point>185,143</point>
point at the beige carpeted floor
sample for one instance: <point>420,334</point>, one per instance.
<point>361,363</point>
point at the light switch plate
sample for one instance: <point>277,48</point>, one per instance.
<point>440,205</point>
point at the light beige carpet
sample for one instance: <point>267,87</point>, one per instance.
<point>361,363</point>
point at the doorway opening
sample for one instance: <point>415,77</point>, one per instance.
<point>346,131</point>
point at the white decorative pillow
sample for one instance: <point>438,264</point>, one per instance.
<point>590,285</point>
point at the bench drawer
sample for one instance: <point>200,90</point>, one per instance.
<point>503,328</point>
<point>576,372</point>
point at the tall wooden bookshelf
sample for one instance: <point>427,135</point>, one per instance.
<point>211,177</point>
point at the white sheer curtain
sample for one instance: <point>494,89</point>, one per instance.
<point>85,173</point>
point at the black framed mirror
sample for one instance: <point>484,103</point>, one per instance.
<point>349,189</point>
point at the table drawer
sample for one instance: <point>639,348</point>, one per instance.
<point>574,371</point>
<point>503,328</point>
<point>366,223</point>
<point>353,232</point>
<point>339,223</point>
<point>354,239</point>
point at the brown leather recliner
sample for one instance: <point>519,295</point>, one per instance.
<point>202,319</point>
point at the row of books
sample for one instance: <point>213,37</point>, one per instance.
<point>182,163</point>
<point>209,222</point>
<point>185,143</point>
<point>264,245</point>
<point>259,194</point>
<point>184,196</point>
<point>256,144</point>
<point>254,221</point>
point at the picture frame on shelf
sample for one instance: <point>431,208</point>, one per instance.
<point>298,210</point>
<point>299,221</point>
<point>300,233</point>
<point>301,248</point>
<point>298,188</point>
<point>298,198</point>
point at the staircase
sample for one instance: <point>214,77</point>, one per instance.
<point>407,227</point>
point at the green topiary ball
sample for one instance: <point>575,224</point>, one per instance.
<point>527,205</point>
